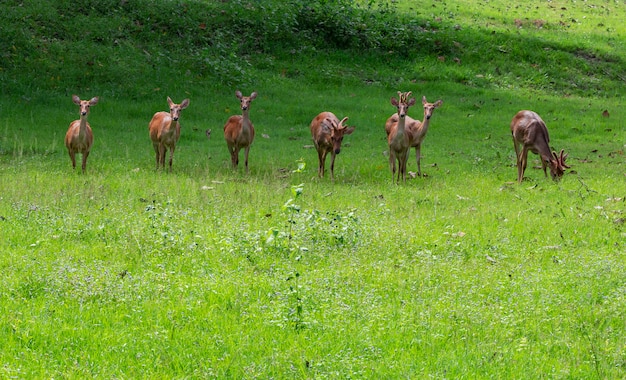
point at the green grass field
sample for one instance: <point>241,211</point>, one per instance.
<point>205,272</point>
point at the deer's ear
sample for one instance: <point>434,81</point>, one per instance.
<point>394,101</point>
<point>411,102</point>
<point>348,130</point>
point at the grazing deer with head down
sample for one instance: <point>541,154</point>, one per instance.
<point>328,132</point>
<point>398,136</point>
<point>239,131</point>
<point>530,131</point>
<point>79,137</point>
<point>165,131</point>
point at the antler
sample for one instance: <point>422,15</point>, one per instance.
<point>560,159</point>
<point>335,125</point>
<point>404,97</point>
<point>340,125</point>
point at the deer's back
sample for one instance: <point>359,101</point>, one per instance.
<point>391,121</point>
<point>527,128</point>
<point>415,130</point>
<point>321,128</point>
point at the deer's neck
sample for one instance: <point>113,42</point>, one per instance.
<point>245,120</point>
<point>543,150</point>
<point>401,132</point>
<point>425,124</point>
<point>542,145</point>
<point>83,126</point>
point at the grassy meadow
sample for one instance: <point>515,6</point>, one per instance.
<point>207,272</point>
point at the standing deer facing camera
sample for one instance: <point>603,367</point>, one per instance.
<point>416,129</point>
<point>398,136</point>
<point>79,137</point>
<point>165,131</point>
<point>328,132</point>
<point>239,131</point>
<point>530,131</point>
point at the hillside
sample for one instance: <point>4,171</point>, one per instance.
<point>120,48</point>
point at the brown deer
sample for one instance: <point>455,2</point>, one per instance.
<point>239,131</point>
<point>530,131</point>
<point>328,132</point>
<point>165,131</point>
<point>417,129</point>
<point>79,137</point>
<point>398,136</point>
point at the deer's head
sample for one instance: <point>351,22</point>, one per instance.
<point>430,107</point>
<point>84,104</point>
<point>403,103</point>
<point>558,165</point>
<point>176,108</point>
<point>245,100</point>
<point>337,132</point>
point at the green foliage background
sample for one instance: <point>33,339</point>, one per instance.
<point>63,45</point>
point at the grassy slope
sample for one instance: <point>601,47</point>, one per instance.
<point>126,272</point>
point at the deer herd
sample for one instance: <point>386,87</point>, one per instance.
<point>528,130</point>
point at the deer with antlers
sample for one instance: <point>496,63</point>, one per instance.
<point>165,131</point>
<point>328,131</point>
<point>416,129</point>
<point>530,131</point>
<point>79,137</point>
<point>398,135</point>
<point>239,131</point>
